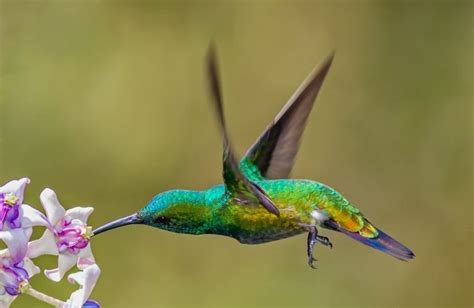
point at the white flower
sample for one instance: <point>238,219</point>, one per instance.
<point>87,280</point>
<point>67,236</point>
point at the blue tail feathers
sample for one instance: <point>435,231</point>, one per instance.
<point>382,242</point>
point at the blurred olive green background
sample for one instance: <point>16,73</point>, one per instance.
<point>106,103</point>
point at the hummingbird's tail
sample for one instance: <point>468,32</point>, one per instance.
<point>382,242</point>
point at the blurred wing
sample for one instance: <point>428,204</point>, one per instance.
<point>237,184</point>
<point>275,150</point>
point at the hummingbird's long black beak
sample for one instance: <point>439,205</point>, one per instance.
<point>129,220</point>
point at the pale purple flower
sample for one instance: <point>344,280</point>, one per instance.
<point>16,222</point>
<point>11,198</point>
<point>67,236</point>
<point>16,218</point>
<point>87,279</point>
<point>13,213</point>
<point>14,275</point>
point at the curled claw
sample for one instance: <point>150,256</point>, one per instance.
<point>324,240</point>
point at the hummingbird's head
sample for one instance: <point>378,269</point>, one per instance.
<point>176,211</point>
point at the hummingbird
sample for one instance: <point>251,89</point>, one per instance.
<point>258,202</point>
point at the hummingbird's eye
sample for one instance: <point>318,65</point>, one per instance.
<point>162,220</point>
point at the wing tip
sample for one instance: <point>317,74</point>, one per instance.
<point>211,52</point>
<point>321,71</point>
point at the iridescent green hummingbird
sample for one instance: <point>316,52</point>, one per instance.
<point>257,202</point>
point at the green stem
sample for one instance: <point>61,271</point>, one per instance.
<point>44,298</point>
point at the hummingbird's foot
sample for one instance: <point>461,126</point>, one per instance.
<point>324,240</point>
<point>312,239</point>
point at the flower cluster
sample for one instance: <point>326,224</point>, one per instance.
<point>66,235</point>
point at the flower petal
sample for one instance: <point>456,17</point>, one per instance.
<point>87,280</point>
<point>7,279</point>
<point>85,258</point>
<point>6,300</point>
<point>30,267</point>
<point>81,213</point>
<point>54,209</point>
<point>28,232</point>
<point>65,262</point>
<point>17,243</point>
<point>32,217</point>
<point>45,245</point>
<point>17,187</point>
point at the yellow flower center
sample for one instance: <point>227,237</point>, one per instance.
<point>23,286</point>
<point>87,232</point>
<point>10,199</point>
